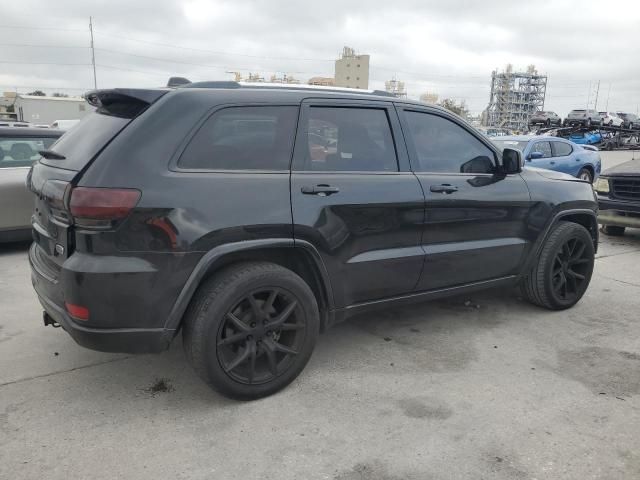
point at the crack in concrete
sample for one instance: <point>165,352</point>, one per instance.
<point>619,281</point>
<point>617,254</point>
<point>44,375</point>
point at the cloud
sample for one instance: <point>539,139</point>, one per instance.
<point>445,47</point>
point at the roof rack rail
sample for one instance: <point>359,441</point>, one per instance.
<point>286,86</point>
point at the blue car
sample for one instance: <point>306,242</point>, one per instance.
<point>557,154</point>
<point>586,138</point>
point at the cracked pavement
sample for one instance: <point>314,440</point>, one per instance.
<point>480,386</point>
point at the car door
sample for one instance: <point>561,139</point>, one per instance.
<point>540,147</point>
<point>563,157</point>
<point>474,226</point>
<point>17,154</point>
<point>357,202</point>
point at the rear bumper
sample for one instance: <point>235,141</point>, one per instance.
<point>618,213</point>
<point>96,337</point>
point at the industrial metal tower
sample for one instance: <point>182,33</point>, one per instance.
<point>514,97</point>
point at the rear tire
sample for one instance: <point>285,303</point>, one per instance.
<point>562,272</point>
<point>613,230</point>
<point>233,335</point>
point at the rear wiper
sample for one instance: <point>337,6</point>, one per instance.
<point>51,155</point>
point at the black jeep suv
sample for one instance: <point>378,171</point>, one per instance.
<point>254,217</point>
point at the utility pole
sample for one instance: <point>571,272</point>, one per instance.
<point>595,106</point>
<point>608,93</point>
<point>93,55</point>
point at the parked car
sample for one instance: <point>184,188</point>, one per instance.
<point>18,150</point>
<point>162,212</point>
<point>545,118</point>
<point>630,120</point>
<point>585,118</point>
<point>556,154</point>
<point>618,192</point>
<point>611,119</point>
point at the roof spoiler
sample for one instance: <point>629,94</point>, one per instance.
<point>177,82</point>
<point>123,102</point>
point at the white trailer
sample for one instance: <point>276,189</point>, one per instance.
<point>46,110</point>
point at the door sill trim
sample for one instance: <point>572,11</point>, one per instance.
<point>431,294</point>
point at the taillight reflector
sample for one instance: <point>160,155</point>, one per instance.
<point>102,203</point>
<point>77,312</point>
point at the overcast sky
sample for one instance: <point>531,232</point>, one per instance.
<point>448,47</point>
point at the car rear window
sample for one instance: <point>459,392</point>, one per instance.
<point>83,141</point>
<point>22,151</point>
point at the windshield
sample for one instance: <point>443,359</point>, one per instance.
<point>515,144</point>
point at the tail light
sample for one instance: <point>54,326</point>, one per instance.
<point>77,311</point>
<point>100,207</point>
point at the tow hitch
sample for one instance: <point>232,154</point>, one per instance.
<point>49,321</point>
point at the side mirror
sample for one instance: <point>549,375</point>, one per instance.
<point>511,161</point>
<point>535,155</point>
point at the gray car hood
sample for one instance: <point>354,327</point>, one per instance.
<point>630,169</point>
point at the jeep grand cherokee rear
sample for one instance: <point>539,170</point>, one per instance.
<point>251,218</point>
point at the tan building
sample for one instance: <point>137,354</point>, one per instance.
<point>429,97</point>
<point>352,71</point>
<point>322,81</point>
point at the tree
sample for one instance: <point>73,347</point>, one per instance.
<point>37,93</point>
<point>60,95</point>
<point>459,109</point>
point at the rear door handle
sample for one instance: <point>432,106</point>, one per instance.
<point>321,190</point>
<point>445,188</point>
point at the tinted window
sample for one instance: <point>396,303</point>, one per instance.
<point>349,139</point>
<point>562,149</point>
<point>543,147</point>
<point>441,145</point>
<point>22,151</point>
<point>80,144</point>
<point>243,138</point>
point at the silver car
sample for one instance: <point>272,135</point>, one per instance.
<point>586,118</point>
<point>19,148</point>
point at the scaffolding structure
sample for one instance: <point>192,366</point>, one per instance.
<point>395,88</point>
<point>514,97</point>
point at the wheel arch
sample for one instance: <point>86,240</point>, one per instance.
<point>301,257</point>
<point>585,217</point>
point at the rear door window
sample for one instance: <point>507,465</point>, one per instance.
<point>561,149</point>
<point>80,144</point>
<point>349,139</point>
<point>243,138</point>
<point>22,151</point>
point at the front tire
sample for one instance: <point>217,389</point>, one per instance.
<point>563,270</point>
<point>585,174</point>
<point>613,230</point>
<point>250,329</point>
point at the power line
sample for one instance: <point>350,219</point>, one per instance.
<point>19,27</point>
<point>215,52</point>
<point>20,45</point>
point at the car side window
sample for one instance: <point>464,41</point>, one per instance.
<point>355,139</point>
<point>562,149</point>
<point>440,145</point>
<point>22,151</point>
<point>243,138</point>
<point>542,147</point>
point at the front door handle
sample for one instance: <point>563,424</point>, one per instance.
<point>321,190</point>
<point>444,188</point>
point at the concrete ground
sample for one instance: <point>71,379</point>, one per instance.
<point>483,386</point>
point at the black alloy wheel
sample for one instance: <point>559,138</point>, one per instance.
<point>571,267</point>
<point>260,336</point>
